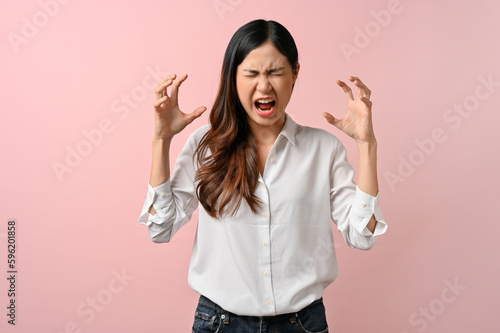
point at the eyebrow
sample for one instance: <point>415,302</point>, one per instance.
<point>272,70</point>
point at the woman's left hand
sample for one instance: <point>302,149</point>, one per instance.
<point>357,123</point>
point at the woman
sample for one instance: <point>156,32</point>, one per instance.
<point>267,190</point>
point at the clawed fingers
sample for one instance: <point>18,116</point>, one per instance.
<point>175,87</point>
<point>363,89</point>
<point>168,77</point>
<point>159,101</point>
<point>367,102</point>
<point>161,90</point>
<point>332,120</point>
<point>196,113</point>
<point>328,117</point>
<point>346,89</point>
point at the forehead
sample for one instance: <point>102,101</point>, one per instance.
<point>264,56</point>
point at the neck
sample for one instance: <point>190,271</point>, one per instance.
<point>266,135</point>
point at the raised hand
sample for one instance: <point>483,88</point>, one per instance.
<point>169,119</point>
<point>357,122</point>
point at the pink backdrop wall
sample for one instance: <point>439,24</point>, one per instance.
<point>75,139</point>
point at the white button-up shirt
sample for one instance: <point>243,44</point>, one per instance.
<point>282,258</point>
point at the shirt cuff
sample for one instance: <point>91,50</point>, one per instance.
<point>158,196</point>
<point>364,206</point>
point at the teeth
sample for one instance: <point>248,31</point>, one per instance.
<point>265,100</point>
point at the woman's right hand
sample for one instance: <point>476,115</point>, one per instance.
<point>169,119</point>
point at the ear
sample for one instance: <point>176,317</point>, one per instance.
<point>295,73</point>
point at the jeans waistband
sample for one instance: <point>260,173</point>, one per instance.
<point>211,305</point>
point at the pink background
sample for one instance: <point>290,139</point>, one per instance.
<point>75,63</point>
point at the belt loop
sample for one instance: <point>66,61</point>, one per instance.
<point>225,318</point>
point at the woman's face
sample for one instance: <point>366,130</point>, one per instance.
<point>264,83</point>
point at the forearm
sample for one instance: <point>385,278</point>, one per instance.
<point>160,166</point>
<point>367,173</point>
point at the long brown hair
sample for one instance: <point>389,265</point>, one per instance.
<point>227,153</point>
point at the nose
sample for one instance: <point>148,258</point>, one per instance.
<point>263,84</point>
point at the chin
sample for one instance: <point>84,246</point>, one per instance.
<point>267,120</point>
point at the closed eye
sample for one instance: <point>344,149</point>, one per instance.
<point>271,74</point>
<point>276,71</point>
<point>272,71</point>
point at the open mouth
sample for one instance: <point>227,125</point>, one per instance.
<point>265,105</point>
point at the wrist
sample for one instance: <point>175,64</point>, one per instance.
<point>370,145</point>
<point>162,143</point>
<point>367,153</point>
<point>163,138</point>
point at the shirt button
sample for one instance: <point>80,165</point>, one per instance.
<point>162,195</point>
<point>266,274</point>
<point>264,214</point>
<point>263,187</point>
<point>268,302</point>
<point>264,243</point>
<point>150,197</point>
<point>271,159</point>
<point>363,204</point>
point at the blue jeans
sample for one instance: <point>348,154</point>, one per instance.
<point>210,317</point>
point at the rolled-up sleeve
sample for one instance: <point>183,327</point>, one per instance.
<point>352,209</point>
<point>160,197</point>
<point>175,200</point>
<point>363,207</point>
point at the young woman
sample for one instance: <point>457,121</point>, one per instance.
<point>267,190</point>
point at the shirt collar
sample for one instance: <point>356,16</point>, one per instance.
<point>289,129</point>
